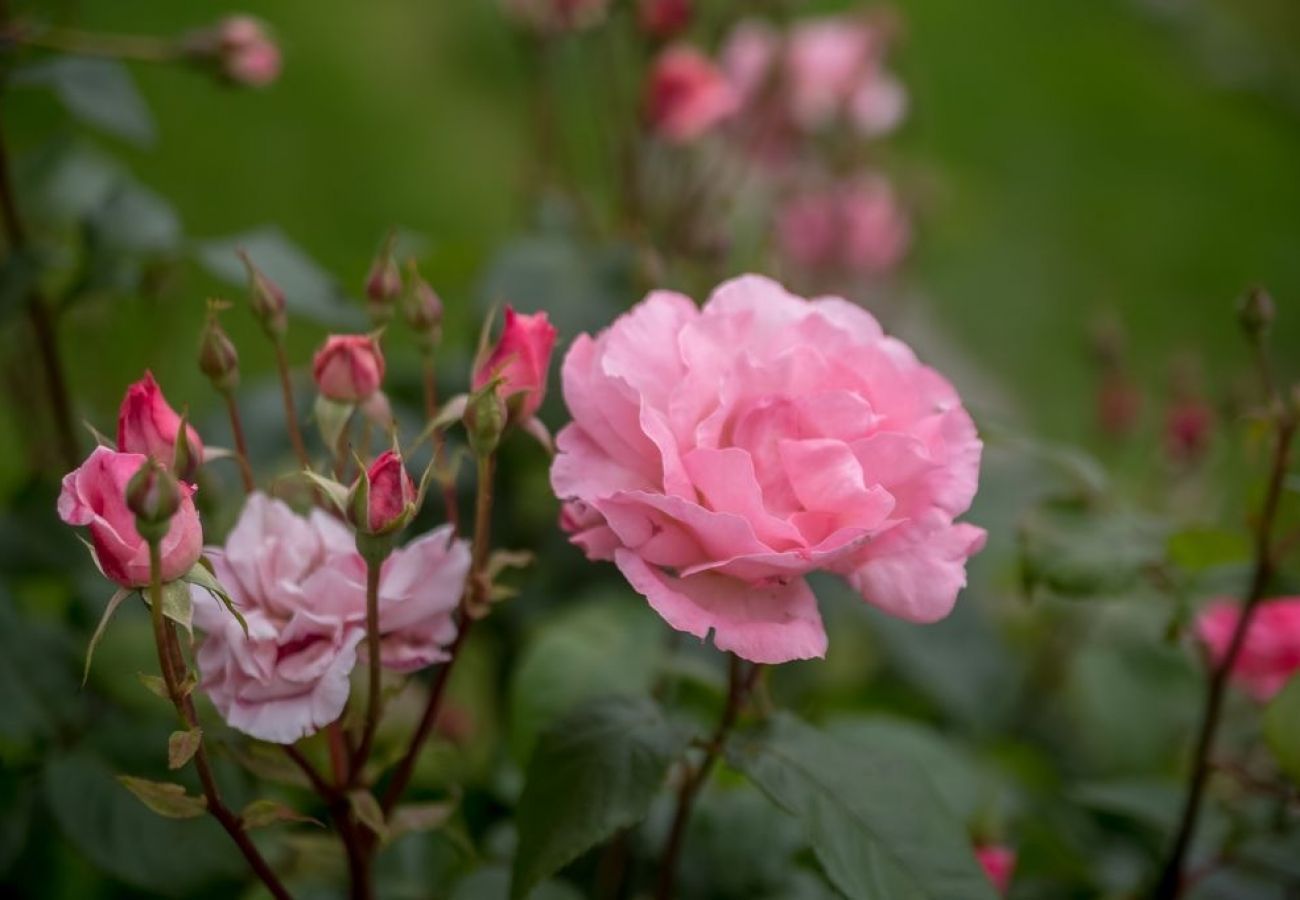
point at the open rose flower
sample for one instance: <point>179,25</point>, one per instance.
<point>719,455</point>
<point>349,368</point>
<point>147,424</point>
<point>521,359</point>
<point>95,495</point>
<point>1270,654</point>
<point>687,95</point>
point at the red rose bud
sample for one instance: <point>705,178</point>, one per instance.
<point>383,285</point>
<point>218,358</point>
<point>520,360</point>
<point>382,501</point>
<point>1188,427</point>
<point>147,424</point>
<point>664,19</point>
<point>266,299</point>
<point>349,368</point>
<point>422,308</point>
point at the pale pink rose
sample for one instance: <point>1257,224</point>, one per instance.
<point>521,358</point>
<point>1270,654</point>
<point>147,424</point>
<point>95,495</point>
<point>348,368</point>
<point>687,95</point>
<point>878,104</point>
<point>249,55</point>
<point>825,60</point>
<point>719,455</point>
<point>999,864</point>
<point>748,57</point>
<point>876,230</point>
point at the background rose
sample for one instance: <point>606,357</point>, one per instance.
<point>95,495</point>
<point>721,454</point>
<point>349,368</point>
<point>1271,652</point>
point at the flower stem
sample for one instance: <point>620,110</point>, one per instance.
<point>172,664</point>
<point>739,686</point>
<point>374,702</point>
<point>1171,880</point>
<point>430,379</point>
<point>290,410</point>
<point>241,446</point>
<point>139,47</point>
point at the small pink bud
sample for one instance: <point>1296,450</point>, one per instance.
<point>687,95</point>
<point>266,299</point>
<point>349,368</point>
<point>1189,425</point>
<point>664,19</point>
<point>999,864</point>
<point>520,359</point>
<point>383,500</point>
<point>383,285</point>
<point>248,56</point>
<point>147,424</point>
<point>422,308</point>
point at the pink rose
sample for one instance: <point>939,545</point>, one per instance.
<point>999,864</point>
<point>147,424</point>
<point>878,104</point>
<point>1270,654</point>
<point>349,368</point>
<point>248,54</point>
<point>808,229</point>
<point>825,60</point>
<point>521,359</point>
<point>95,495</point>
<point>876,229</point>
<point>389,496</point>
<point>748,56</point>
<point>718,455</point>
<point>687,95</point>
<point>663,18</point>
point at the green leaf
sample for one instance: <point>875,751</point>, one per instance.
<point>177,604</point>
<point>261,813</point>
<point>1282,728</point>
<point>156,685</point>
<point>414,817</point>
<point>20,273</point>
<point>1197,549</point>
<point>493,883</point>
<point>368,812</point>
<point>874,823</point>
<point>332,419</point>
<point>165,798</point>
<point>38,679</point>
<point>1081,553</point>
<point>335,493</point>
<point>98,92</point>
<point>182,745</point>
<point>111,607</point>
<point>135,219</point>
<point>596,771</point>
<point>601,647</point>
<point>202,576</point>
<point>309,290</point>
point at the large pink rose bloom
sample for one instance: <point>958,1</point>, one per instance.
<point>718,455</point>
<point>1270,654</point>
<point>95,495</point>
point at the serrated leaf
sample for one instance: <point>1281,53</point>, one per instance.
<point>368,812</point>
<point>113,603</point>
<point>594,773</point>
<point>165,798</point>
<point>99,92</point>
<point>203,577</point>
<point>332,420</point>
<point>874,823</point>
<point>1282,728</point>
<point>414,817</point>
<point>182,745</point>
<point>261,813</point>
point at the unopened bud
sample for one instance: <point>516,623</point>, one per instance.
<point>382,500</point>
<point>1255,311</point>
<point>218,358</point>
<point>421,307</point>
<point>154,496</point>
<point>383,284</point>
<point>266,299</point>
<point>485,420</point>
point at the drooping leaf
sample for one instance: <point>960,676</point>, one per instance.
<point>98,92</point>
<point>261,813</point>
<point>182,745</point>
<point>594,772</point>
<point>165,798</point>
<point>109,608</point>
<point>874,823</point>
<point>1282,728</point>
<point>157,686</point>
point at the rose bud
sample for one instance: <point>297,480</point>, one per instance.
<point>247,54</point>
<point>154,495</point>
<point>218,358</point>
<point>95,495</point>
<point>687,95</point>
<point>349,368</point>
<point>1255,311</point>
<point>147,424</point>
<point>422,308</point>
<point>664,19</point>
<point>1188,427</point>
<point>1270,654</point>
<point>999,863</point>
<point>382,499</point>
<point>383,285</point>
<point>520,359</point>
<point>266,299</point>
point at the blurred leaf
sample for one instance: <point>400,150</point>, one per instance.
<point>873,822</point>
<point>1282,728</point>
<point>368,812</point>
<point>601,647</point>
<point>66,180</point>
<point>124,838</point>
<point>38,684</point>
<point>309,290</point>
<point>182,745</point>
<point>1149,801</point>
<point>98,92</point>
<point>1197,549</point>
<point>594,772</point>
<point>17,796</point>
<point>415,817</point>
<point>165,798</point>
<point>268,761</point>
<point>20,273</point>
<point>261,813</point>
<point>493,883</point>
<point>109,608</point>
<point>1081,553</point>
<point>134,219</point>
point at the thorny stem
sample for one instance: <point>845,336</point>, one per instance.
<point>290,410</point>
<point>171,662</point>
<point>1171,880</point>
<point>739,687</point>
<point>241,446</point>
<point>374,701</point>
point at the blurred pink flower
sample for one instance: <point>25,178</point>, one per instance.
<point>856,226</point>
<point>147,424</point>
<point>557,15</point>
<point>747,57</point>
<point>248,54</point>
<point>878,104</point>
<point>348,368</point>
<point>1189,425</point>
<point>825,59</point>
<point>808,229</point>
<point>522,359</point>
<point>717,456</point>
<point>687,95</point>
<point>664,19</point>
<point>999,864</point>
<point>94,494</point>
<point>1270,654</point>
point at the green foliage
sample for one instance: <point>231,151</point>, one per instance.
<point>1282,728</point>
<point>182,745</point>
<point>98,92</point>
<point>875,825</point>
<point>164,798</point>
<point>1083,553</point>
<point>594,772</point>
